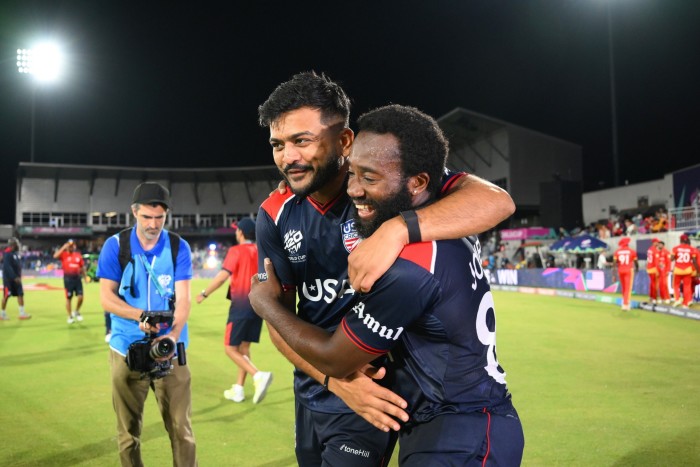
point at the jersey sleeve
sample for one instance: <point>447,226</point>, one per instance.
<point>397,299</point>
<point>449,179</point>
<point>230,260</point>
<point>108,262</point>
<point>270,245</point>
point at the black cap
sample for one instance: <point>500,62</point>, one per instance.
<point>246,225</point>
<point>151,193</point>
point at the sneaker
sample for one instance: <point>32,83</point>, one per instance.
<point>677,303</point>
<point>4,317</point>
<point>78,316</point>
<point>235,394</point>
<point>25,316</point>
<point>653,301</point>
<point>108,337</point>
<point>261,381</point>
<point>70,320</point>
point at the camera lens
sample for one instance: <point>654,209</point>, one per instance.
<point>162,348</point>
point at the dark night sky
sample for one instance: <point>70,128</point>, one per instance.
<point>177,83</point>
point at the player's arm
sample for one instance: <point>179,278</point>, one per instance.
<point>58,252</point>
<point>112,302</point>
<point>332,354</point>
<point>218,280</point>
<point>472,205</point>
<point>376,404</point>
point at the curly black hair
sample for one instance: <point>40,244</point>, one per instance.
<point>306,89</point>
<point>422,144</point>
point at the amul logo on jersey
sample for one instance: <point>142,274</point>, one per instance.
<point>374,325</point>
<point>292,243</point>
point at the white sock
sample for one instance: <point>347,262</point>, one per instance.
<point>21,310</point>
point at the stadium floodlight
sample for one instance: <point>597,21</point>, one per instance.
<point>45,61</point>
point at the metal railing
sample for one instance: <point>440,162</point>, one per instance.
<point>684,219</point>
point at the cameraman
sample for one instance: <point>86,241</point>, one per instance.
<point>149,281</point>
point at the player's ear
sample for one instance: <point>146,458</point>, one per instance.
<point>346,137</point>
<point>418,183</point>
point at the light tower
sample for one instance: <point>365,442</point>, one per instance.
<point>45,64</point>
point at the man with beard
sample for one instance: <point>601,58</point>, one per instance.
<point>148,269</point>
<point>431,313</point>
<point>309,232</point>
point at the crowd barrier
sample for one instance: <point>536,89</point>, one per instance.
<point>579,283</point>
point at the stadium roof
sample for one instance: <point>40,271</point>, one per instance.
<point>193,175</point>
<point>463,127</point>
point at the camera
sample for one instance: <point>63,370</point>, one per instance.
<point>143,354</point>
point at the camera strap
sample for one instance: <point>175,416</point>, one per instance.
<point>152,276</point>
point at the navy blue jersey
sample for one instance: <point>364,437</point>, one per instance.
<point>434,312</point>
<point>308,244</point>
<point>11,266</point>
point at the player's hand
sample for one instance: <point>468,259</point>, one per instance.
<point>281,188</point>
<point>264,293</point>
<point>199,298</point>
<point>374,403</point>
<point>375,254</point>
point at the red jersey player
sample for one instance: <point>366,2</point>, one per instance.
<point>653,270</point>
<point>625,266</point>
<point>73,270</point>
<point>664,267</point>
<point>684,269</point>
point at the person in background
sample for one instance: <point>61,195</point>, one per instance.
<point>653,270</point>
<point>73,273</point>
<point>12,279</point>
<point>625,266</point>
<point>685,267</point>
<point>153,279</point>
<point>664,267</point>
<point>602,261</point>
<point>243,325</point>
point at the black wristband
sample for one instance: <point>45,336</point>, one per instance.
<point>411,220</point>
<point>325,382</point>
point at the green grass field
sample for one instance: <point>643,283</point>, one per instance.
<point>594,387</point>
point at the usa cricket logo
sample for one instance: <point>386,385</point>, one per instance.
<point>350,236</point>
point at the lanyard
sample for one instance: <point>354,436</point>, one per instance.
<point>151,274</point>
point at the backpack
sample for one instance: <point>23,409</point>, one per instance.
<point>125,253</point>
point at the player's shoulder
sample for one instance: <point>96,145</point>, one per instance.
<point>275,203</point>
<point>421,254</point>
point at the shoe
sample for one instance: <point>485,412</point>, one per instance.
<point>235,394</point>
<point>653,301</point>
<point>108,337</point>
<point>677,303</point>
<point>24,316</point>
<point>78,316</point>
<point>70,320</point>
<point>667,302</point>
<point>4,317</point>
<point>261,381</point>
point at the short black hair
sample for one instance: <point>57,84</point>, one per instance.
<point>422,144</point>
<point>306,89</point>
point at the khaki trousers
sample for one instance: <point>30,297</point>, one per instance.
<point>173,395</point>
